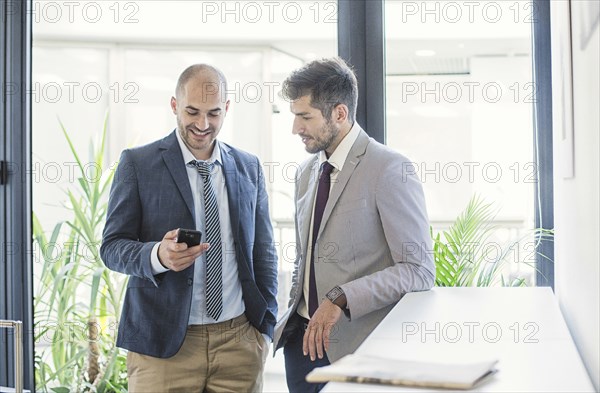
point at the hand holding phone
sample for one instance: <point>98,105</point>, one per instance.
<point>190,237</point>
<point>173,256</point>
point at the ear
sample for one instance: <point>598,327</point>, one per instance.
<point>174,105</point>
<point>227,106</point>
<point>340,114</point>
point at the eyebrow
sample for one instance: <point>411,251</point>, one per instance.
<point>190,107</point>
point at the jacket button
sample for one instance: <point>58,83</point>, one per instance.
<point>189,281</point>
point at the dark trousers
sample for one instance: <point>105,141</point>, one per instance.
<point>297,366</point>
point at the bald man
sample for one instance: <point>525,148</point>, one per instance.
<point>195,318</point>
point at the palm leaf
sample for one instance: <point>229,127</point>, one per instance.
<point>462,252</point>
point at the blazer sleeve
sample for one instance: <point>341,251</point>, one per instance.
<point>296,284</point>
<point>121,249</point>
<point>401,206</point>
<point>265,256</point>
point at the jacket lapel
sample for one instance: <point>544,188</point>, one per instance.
<point>232,183</point>
<point>171,154</point>
<point>354,156</point>
<point>306,196</point>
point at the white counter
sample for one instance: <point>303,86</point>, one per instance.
<point>521,327</point>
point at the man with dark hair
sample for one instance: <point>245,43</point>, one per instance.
<point>197,318</point>
<point>362,232</point>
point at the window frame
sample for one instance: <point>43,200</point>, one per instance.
<point>16,269</point>
<point>543,143</point>
<point>361,42</point>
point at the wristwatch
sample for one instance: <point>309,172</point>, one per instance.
<point>334,294</point>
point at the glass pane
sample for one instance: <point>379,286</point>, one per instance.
<point>69,86</point>
<point>459,105</point>
<point>123,58</point>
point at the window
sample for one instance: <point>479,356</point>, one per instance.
<point>96,58</point>
<point>93,57</point>
<point>459,104</point>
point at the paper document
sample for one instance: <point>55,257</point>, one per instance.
<point>375,370</point>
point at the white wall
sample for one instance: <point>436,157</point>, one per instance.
<point>576,199</point>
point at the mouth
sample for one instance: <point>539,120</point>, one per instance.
<point>305,139</point>
<point>199,133</point>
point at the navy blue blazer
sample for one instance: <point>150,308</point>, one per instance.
<point>150,196</point>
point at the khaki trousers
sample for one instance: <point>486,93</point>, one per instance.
<point>222,357</point>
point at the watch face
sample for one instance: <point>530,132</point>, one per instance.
<point>334,293</point>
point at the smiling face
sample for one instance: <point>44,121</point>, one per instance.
<point>317,132</point>
<point>200,113</point>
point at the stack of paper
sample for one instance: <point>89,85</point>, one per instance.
<point>368,369</point>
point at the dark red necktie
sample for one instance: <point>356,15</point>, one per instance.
<point>322,196</point>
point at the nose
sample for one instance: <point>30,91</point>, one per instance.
<point>296,127</point>
<point>202,122</point>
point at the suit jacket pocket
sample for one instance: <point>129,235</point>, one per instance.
<point>137,282</point>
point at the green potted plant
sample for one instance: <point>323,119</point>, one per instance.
<point>77,300</point>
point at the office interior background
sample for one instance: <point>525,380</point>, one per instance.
<point>465,94</point>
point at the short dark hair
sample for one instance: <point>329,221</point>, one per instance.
<point>329,82</point>
<point>196,69</point>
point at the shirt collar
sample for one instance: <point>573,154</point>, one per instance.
<point>338,158</point>
<point>188,156</point>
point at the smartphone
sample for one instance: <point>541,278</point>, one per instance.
<point>190,237</point>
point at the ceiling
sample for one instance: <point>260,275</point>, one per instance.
<point>416,42</point>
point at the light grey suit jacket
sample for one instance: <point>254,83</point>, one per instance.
<point>373,241</point>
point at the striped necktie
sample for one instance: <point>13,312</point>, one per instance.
<point>214,279</point>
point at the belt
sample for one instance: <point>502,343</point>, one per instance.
<point>305,325</point>
<point>230,323</point>
<point>303,321</point>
